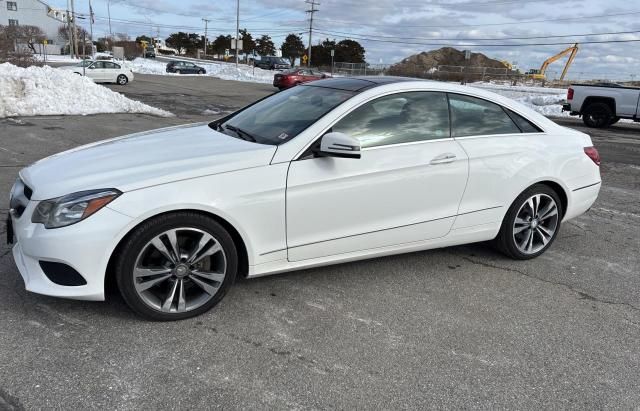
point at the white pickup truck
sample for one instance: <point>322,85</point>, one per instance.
<point>602,105</point>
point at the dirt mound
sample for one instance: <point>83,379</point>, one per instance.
<point>428,61</point>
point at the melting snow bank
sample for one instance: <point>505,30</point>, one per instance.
<point>41,91</point>
<point>546,101</point>
<point>221,70</point>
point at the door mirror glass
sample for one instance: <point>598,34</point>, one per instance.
<point>339,145</point>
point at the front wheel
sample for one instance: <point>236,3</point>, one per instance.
<point>531,224</point>
<point>176,266</point>
<point>122,79</point>
<point>200,71</point>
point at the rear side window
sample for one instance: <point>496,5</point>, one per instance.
<point>525,125</point>
<point>471,116</point>
<point>398,118</point>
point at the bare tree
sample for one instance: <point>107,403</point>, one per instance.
<point>11,36</point>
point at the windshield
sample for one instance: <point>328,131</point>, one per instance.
<point>281,117</point>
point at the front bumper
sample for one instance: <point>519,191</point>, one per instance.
<point>85,246</point>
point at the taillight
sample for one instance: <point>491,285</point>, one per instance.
<point>570,94</point>
<point>593,154</point>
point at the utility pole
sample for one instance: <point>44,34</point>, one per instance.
<point>237,30</point>
<point>206,21</point>
<point>312,4</point>
<point>75,29</point>
<point>110,32</point>
<point>69,28</point>
<point>91,27</point>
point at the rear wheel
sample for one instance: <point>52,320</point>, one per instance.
<point>122,79</point>
<point>176,266</point>
<point>531,224</point>
<point>200,71</point>
<point>597,115</point>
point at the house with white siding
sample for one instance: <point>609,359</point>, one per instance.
<point>33,13</point>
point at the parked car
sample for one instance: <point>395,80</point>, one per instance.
<point>331,171</point>
<point>150,53</point>
<point>184,67</point>
<point>295,76</point>
<point>602,105</point>
<point>273,63</point>
<point>102,71</point>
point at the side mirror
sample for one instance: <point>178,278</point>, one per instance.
<point>339,145</point>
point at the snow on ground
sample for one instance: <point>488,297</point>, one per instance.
<point>546,101</point>
<point>224,71</point>
<point>39,91</point>
<point>57,58</point>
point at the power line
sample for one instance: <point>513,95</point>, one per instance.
<point>195,28</point>
<point>484,39</point>
<point>311,12</point>
<point>485,24</point>
<point>481,45</point>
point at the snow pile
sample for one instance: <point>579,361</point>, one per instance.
<point>544,100</point>
<point>224,71</point>
<point>39,91</point>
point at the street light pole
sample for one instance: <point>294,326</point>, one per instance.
<point>206,21</point>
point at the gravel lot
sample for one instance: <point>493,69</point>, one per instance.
<point>460,327</point>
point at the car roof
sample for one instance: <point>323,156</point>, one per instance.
<point>360,83</point>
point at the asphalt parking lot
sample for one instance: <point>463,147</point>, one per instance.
<point>461,327</point>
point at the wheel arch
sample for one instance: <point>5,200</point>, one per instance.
<point>561,190</point>
<point>239,241</point>
<point>609,101</point>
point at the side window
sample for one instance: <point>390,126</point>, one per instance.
<point>98,65</point>
<point>109,65</point>
<point>471,116</point>
<point>525,125</point>
<point>398,118</point>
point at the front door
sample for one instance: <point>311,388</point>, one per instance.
<point>406,187</point>
<point>96,72</point>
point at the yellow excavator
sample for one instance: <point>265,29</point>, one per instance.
<point>540,74</point>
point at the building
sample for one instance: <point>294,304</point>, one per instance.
<point>33,13</point>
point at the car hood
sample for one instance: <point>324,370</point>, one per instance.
<point>144,159</point>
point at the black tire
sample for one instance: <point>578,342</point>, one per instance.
<point>200,71</point>
<point>122,80</point>
<point>597,115</point>
<point>139,238</point>
<point>505,241</point>
<point>178,72</point>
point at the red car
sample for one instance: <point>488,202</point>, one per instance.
<point>295,76</point>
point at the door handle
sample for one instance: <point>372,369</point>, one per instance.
<point>443,159</point>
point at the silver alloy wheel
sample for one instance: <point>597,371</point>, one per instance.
<point>122,79</point>
<point>535,224</point>
<point>179,270</point>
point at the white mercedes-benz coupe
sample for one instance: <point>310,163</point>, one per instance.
<point>331,171</point>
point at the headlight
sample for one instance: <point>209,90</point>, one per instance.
<point>69,209</point>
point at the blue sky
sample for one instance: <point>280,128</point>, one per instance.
<point>456,22</point>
